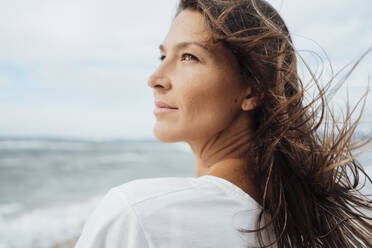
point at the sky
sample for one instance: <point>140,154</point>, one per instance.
<point>79,68</point>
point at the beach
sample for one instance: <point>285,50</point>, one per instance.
<point>66,244</point>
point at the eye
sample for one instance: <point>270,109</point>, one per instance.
<point>189,57</point>
<point>162,57</point>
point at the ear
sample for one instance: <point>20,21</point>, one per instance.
<point>249,102</point>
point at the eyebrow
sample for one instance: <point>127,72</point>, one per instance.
<point>187,44</point>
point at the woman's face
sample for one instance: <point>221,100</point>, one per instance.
<point>199,79</point>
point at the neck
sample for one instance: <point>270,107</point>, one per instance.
<point>235,171</point>
<point>225,155</point>
<point>233,142</point>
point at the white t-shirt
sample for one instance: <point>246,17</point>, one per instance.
<point>172,212</point>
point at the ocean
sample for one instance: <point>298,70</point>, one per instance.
<point>48,187</point>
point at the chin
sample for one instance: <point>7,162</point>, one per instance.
<point>166,136</point>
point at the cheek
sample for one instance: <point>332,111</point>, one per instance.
<point>209,107</point>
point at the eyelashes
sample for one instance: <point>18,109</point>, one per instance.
<point>185,57</point>
<point>190,56</point>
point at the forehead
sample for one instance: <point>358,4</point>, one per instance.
<point>189,26</point>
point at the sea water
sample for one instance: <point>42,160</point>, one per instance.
<point>48,187</point>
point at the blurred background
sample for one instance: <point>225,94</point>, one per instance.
<point>76,112</point>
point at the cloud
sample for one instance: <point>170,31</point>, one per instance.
<point>76,121</point>
<point>5,82</point>
<point>341,27</point>
<point>70,30</point>
<point>80,67</point>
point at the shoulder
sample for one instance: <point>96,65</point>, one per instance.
<point>120,209</point>
<point>140,190</point>
<point>147,208</point>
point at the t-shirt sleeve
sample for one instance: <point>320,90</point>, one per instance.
<point>112,224</point>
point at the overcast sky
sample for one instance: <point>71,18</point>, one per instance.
<point>79,68</point>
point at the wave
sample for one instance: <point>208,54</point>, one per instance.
<point>118,158</point>
<point>42,145</point>
<point>9,209</point>
<point>74,163</point>
<point>43,227</point>
<point>183,147</point>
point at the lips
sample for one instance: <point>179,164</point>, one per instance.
<point>161,104</point>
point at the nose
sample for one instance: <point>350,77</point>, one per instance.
<point>158,80</point>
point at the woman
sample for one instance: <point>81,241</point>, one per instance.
<point>265,176</point>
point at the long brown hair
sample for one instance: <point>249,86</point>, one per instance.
<point>306,175</point>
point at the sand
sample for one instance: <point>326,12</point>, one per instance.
<point>66,244</point>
